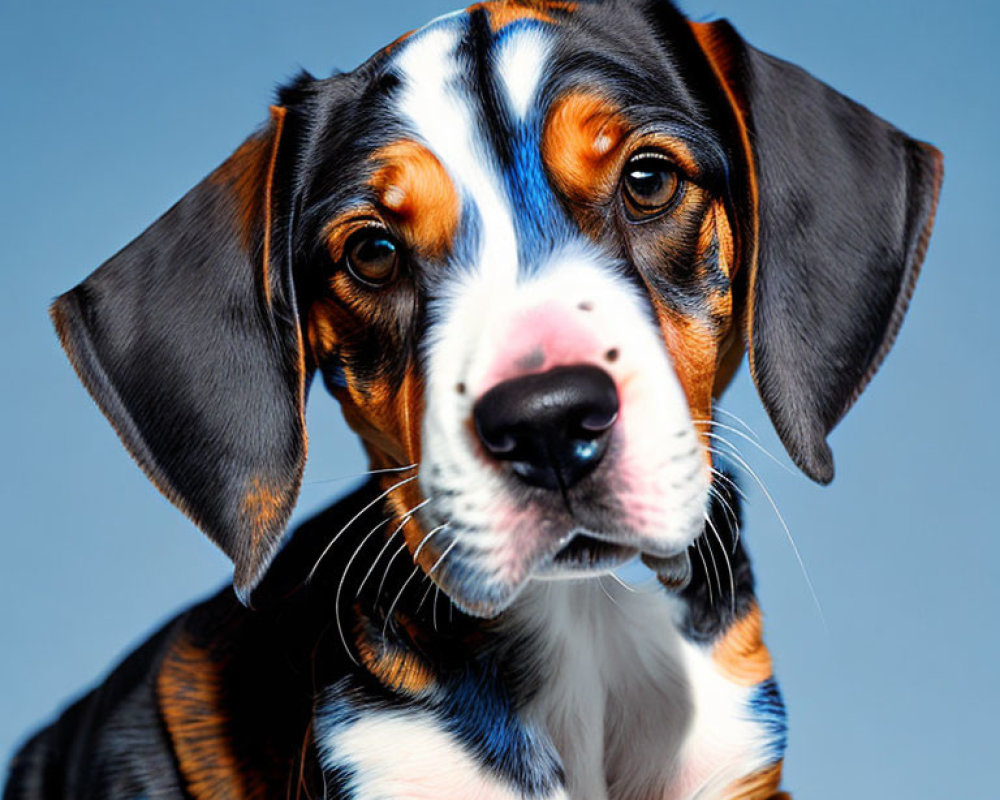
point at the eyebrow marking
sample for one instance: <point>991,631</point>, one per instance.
<point>581,138</point>
<point>582,132</point>
<point>413,185</point>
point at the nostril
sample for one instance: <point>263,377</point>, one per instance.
<point>598,421</point>
<point>551,426</point>
<point>498,443</point>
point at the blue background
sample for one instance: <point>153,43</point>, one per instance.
<point>112,111</point>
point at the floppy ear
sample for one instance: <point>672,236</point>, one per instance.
<point>840,206</point>
<point>189,341</point>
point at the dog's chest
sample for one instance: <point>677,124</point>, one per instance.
<point>634,710</point>
<point>620,707</point>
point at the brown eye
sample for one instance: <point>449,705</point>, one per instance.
<point>649,185</point>
<point>372,257</point>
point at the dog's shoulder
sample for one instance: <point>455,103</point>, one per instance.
<point>115,722</point>
<point>196,707</point>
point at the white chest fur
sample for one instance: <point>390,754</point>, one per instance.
<point>636,712</point>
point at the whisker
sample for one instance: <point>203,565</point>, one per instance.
<point>734,522</point>
<point>729,566</point>
<point>434,614</point>
<point>738,490</point>
<point>357,475</point>
<point>732,484</point>
<point>322,774</point>
<point>444,555</point>
<point>724,503</point>
<point>784,525</point>
<point>388,566</point>
<point>437,592</point>
<point>354,519</point>
<point>715,566</point>
<point>704,564</point>
<point>385,547</point>
<point>756,444</point>
<point>427,538</point>
<point>427,592</point>
<point>343,579</point>
<point>392,606</point>
<point>737,418</point>
<point>624,584</point>
<point>416,555</point>
<point>607,594</point>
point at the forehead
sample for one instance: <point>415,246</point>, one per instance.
<point>504,62</point>
<point>476,87</point>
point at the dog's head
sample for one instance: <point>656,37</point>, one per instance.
<point>525,247</point>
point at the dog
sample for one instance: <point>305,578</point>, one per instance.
<point>526,248</point>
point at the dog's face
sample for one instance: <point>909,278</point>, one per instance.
<point>526,290</point>
<point>525,247</point>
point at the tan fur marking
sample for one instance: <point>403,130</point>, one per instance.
<point>395,43</point>
<point>190,693</point>
<point>262,507</point>
<point>278,124</point>
<point>741,655</point>
<point>414,187</point>
<point>711,38</point>
<point>715,230</point>
<point>397,668</point>
<point>693,352</point>
<point>338,230</point>
<point>249,175</point>
<point>729,360</point>
<point>322,329</point>
<point>579,142</point>
<point>502,13</point>
<point>761,785</point>
<point>585,143</point>
<point>243,174</point>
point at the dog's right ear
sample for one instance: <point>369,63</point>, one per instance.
<point>189,341</point>
<point>835,212</point>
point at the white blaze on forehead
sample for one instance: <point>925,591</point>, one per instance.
<point>522,57</point>
<point>440,111</point>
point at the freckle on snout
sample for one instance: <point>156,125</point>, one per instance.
<point>586,305</point>
<point>533,360</point>
<point>612,354</point>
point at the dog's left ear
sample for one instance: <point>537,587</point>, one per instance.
<point>837,211</point>
<point>189,341</point>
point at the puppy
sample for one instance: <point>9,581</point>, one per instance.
<point>525,247</point>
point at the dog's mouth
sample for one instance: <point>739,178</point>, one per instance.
<point>585,553</point>
<point>484,569</point>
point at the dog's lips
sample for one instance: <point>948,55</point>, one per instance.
<point>586,552</point>
<point>580,554</point>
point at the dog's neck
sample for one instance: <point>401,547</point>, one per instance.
<point>635,708</point>
<point>616,693</point>
<point>612,692</point>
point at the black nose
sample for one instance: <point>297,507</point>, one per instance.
<point>551,426</point>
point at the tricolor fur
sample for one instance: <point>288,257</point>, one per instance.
<point>452,629</point>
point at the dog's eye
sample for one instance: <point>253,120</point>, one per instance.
<point>649,185</point>
<point>372,257</point>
